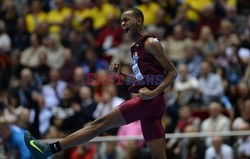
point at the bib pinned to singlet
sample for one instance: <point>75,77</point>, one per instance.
<point>135,67</point>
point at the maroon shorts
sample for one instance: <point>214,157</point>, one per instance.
<point>149,112</point>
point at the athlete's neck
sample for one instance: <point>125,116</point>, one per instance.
<point>138,35</point>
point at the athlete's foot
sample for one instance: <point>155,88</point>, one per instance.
<point>38,150</point>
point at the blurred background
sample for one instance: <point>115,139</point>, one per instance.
<point>47,47</point>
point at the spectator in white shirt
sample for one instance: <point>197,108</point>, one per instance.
<point>243,147</point>
<point>110,100</point>
<point>53,91</point>
<point>216,122</point>
<point>210,84</point>
<point>5,41</point>
<point>245,116</point>
<point>219,150</point>
<point>30,56</point>
<point>185,85</point>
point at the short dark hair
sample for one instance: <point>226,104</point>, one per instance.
<point>138,13</point>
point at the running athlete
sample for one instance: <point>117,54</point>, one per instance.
<point>148,107</point>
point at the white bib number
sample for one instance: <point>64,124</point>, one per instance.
<point>136,68</point>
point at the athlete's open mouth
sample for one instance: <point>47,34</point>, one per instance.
<point>126,30</point>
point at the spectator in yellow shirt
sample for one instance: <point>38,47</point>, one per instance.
<point>149,9</point>
<point>195,7</point>
<point>56,16</point>
<point>36,17</point>
<point>82,11</point>
<point>101,12</point>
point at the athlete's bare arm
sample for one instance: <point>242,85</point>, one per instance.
<point>154,47</point>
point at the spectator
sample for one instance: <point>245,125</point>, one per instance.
<point>149,9</point>
<point>16,65</point>
<point>192,59</point>
<point>68,67</point>
<point>53,91</point>
<point>123,54</point>
<point>30,56</point>
<point>13,140</point>
<point>126,4</point>
<point>133,151</point>
<point>21,38</point>
<point>110,36</point>
<point>191,148</point>
<point>10,16</point>
<point>243,92</point>
<point>75,42</point>
<point>88,105</point>
<point>215,122</point>
<point>55,51</point>
<point>101,11</point>
<point>219,150</point>
<point>93,64</point>
<point>160,27</point>
<point>176,44</point>
<point>10,109</point>
<point>25,87</point>
<point>109,150</point>
<point>2,151</point>
<point>246,77</point>
<point>208,19</point>
<point>194,8</point>
<point>42,29</point>
<point>109,101</point>
<point>88,32</point>
<point>84,151</point>
<point>185,115</point>
<point>243,146</point>
<point>226,30</point>
<point>245,116</point>
<point>15,114</point>
<point>5,41</point>
<point>35,17</point>
<point>57,15</point>
<point>206,42</point>
<point>186,86</point>
<point>132,129</point>
<point>64,116</point>
<point>42,71</point>
<point>185,119</point>
<point>210,84</point>
<point>236,20</point>
<point>81,12</point>
<point>78,78</point>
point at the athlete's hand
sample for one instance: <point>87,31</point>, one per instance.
<point>146,94</point>
<point>115,68</point>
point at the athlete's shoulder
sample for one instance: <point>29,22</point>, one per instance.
<point>152,40</point>
<point>152,44</point>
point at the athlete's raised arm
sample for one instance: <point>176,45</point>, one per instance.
<point>115,69</point>
<point>154,47</point>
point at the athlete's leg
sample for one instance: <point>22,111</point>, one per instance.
<point>42,151</point>
<point>113,119</point>
<point>157,148</point>
<point>154,135</point>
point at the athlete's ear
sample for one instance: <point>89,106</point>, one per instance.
<point>139,21</point>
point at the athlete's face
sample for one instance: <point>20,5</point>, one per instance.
<point>129,23</point>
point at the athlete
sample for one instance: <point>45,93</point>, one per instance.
<point>148,107</point>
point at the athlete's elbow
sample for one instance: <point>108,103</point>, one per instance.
<point>173,74</point>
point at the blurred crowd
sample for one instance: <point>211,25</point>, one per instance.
<point>48,47</point>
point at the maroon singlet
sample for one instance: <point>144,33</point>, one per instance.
<point>148,65</point>
<point>149,112</point>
